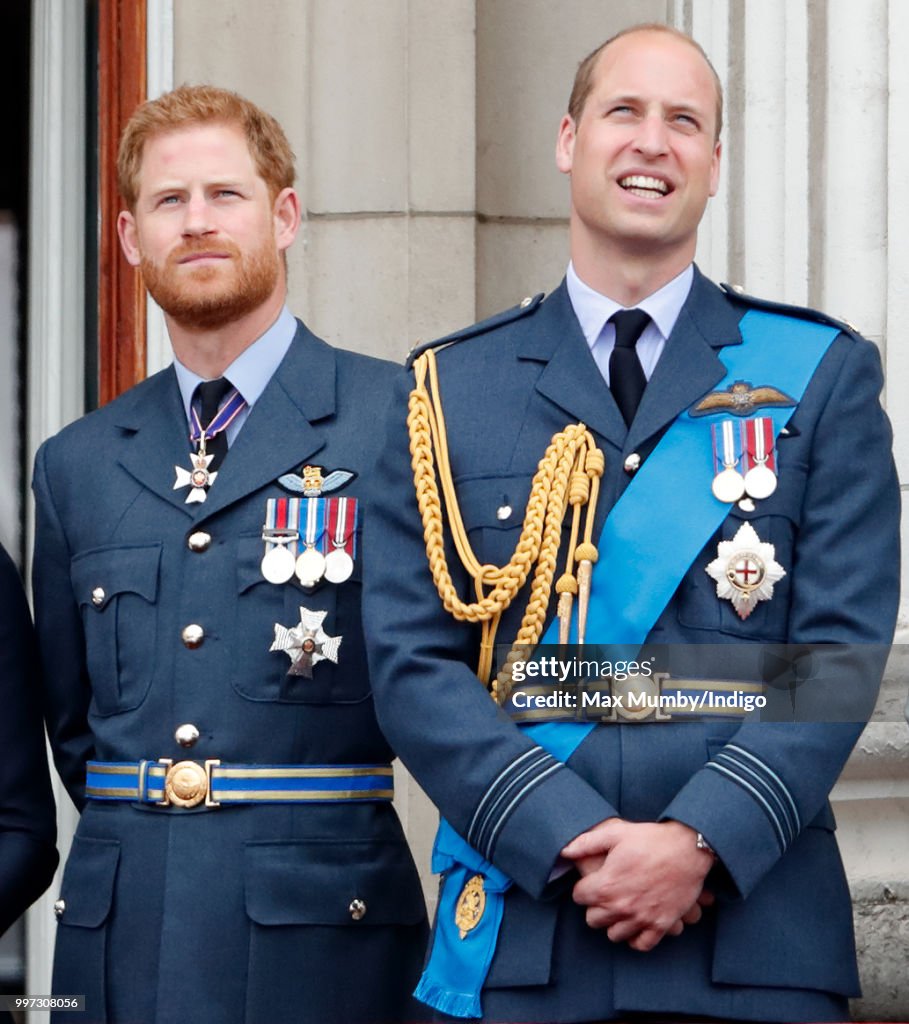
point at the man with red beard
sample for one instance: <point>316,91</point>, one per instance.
<point>197,585</point>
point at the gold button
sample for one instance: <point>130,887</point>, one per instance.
<point>357,909</point>
<point>98,596</point>
<point>192,635</point>
<point>186,735</point>
<point>632,464</point>
<point>59,908</point>
<point>526,301</point>
<point>199,541</point>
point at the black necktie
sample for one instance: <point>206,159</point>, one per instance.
<point>626,375</point>
<point>211,393</point>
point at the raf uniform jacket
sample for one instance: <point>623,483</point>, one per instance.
<point>779,945</point>
<point>28,856</point>
<point>235,913</point>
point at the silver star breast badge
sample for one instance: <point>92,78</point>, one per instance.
<point>198,480</point>
<point>745,570</point>
<point>306,644</point>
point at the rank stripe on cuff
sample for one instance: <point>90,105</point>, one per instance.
<point>764,785</point>
<point>512,785</point>
<point>771,781</point>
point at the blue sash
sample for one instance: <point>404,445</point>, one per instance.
<point>625,602</point>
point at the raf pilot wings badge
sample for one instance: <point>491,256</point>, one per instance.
<point>742,399</point>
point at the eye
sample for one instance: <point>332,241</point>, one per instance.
<point>169,200</point>
<point>226,193</point>
<point>687,122</point>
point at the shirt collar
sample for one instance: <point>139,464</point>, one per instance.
<point>593,309</point>
<point>253,368</point>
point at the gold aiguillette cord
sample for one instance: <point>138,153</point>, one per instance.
<point>567,475</point>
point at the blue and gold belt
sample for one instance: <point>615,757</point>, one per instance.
<point>189,783</point>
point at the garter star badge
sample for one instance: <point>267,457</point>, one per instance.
<point>306,644</point>
<point>745,570</point>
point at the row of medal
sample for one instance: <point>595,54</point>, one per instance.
<point>310,538</point>
<point>744,459</point>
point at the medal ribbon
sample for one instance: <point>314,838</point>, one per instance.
<point>759,445</point>
<point>342,524</point>
<point>229,411</point>
<point>625,602</point>
<point>282,516</point>
<point>727,445</point>
<point>315,523</point>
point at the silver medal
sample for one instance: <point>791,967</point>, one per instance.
<point>278,564</point>
<point>310,567</point>
<point>760,481</point>
<point>728,486</point>
<point>338,566</point>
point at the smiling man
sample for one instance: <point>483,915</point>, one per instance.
<point>680,475</point>
<point>197,582</point>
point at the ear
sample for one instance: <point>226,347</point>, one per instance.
<point>129,237</point>
<point>715,168</point>
<point>565,144</point>
<point>286,215</point>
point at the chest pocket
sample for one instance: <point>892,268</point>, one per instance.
<point>493,512</point>
<point>117,590</point>
<point>261,674</point>
<point>776,521</point>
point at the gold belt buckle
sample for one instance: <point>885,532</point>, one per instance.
<point>188,783</point>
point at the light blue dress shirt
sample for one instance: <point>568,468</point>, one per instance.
<point>250,372</point>
<point>593,310</point>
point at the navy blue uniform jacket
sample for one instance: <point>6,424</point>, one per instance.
<point>236,913</point>
<point>780,944</point>
<point>28,856</point>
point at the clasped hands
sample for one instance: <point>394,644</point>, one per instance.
<point>640,880</point>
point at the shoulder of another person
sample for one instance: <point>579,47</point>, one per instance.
<point>526,307</point>
<point>738,295</point>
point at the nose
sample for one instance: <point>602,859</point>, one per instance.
<point>653,137</point>
<point>197,216</point>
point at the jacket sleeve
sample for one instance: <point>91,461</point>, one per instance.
<point>28,856</point>
<point>755,795</point>
<point>67,690</point>
<point>505,795</point>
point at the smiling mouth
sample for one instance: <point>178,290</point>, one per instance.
<point>645,186</point>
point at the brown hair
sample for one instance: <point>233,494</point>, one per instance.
<point>205,104</point>
<point>583,80</point>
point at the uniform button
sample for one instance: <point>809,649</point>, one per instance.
<point>632,464</point>
<point>738,289</point>
<point>98,596</point>
<point>199,541</point>
<point>192,635</point>
<point>186,735</point>
<point>503,512</point>
<point>526,301</point>
<point>59,908</point>
<point>357,909</point>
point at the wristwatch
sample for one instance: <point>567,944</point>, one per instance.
<point>702,844</point>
